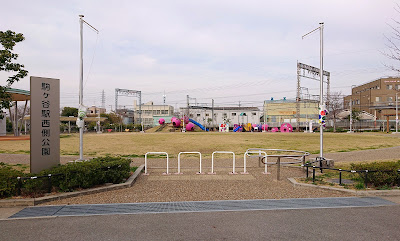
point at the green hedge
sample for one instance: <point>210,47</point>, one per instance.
<point>8,180</point>
<point>67,177</point>
<point>386,174</point>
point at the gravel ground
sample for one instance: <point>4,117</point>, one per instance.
<point>189,186</point>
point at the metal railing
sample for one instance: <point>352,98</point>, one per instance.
<point>145,161</point>
<point>223,152</point>
<point>350,171</point>
<point>187,152</point>
<point>297,157</point>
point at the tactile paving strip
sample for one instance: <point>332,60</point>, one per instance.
<point>200,206</point>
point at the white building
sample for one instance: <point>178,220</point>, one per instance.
<point>149,110</point>
<point>230,115</point>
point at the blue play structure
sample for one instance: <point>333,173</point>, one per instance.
<point>198,124</point>
<point>237,128</point>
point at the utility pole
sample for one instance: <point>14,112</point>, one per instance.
<point>212,113</point>
<point>265,116</point>
<point>103,99</point>
<point>187,114</point>
<point>298,99</point>
<point>351,110</point>
<point>397,115</point>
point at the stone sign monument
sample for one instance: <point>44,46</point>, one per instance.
<point>45,123</point>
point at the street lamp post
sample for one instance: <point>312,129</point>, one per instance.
<point>321,86</point>
<point>81,106</point>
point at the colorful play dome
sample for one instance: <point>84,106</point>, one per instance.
<point>265,127</point>
<point>275,129</point>
<point>176,122</point>
<point>286,127</point>
<point>190,127</point>
<point>161,121</point>
<point>186,120</point>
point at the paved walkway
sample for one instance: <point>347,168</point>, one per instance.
<point>200,206</point>
<point>365,155</point>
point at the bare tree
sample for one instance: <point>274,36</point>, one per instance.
<point>392,42</point>
<point>335,106</point>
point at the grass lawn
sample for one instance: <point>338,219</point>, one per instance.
<point>137,144</point>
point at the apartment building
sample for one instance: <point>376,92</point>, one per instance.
<point>377,97</point>
<point>285,111</point>
<point>149,110</point>
<point>94,111</point>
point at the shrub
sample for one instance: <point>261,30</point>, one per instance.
<point>386,172</point>
<point>8,180</point>
<point>90,173</point>
<point>65,177</point>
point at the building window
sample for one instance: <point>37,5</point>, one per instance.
<point>233,114</point>
<point>389,98</point>
<point>397,87</point>
<point>378,99</point>
<point>224,115</point>
<point>207,114</point>
<point>254,113</point>
<point>389,87</point>
<point>198,115</point>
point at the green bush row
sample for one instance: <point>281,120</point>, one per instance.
<point>67,177</point>
<point>8,180</point>
<point>386,174</point>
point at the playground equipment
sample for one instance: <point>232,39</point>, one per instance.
<point>256,151</point>
<point>223,127</point>
<point>161,121</point>
<point>237,128</point>
<point>264,127</point>
<point>179,160</point>
<point>274,129</point>
<point>286,127</point>
<point>197,124</point>
<point>176,122</point>
<point>190,127</point>
<point>186,120</point>
<point>145,161</point>
<point>226,152</point>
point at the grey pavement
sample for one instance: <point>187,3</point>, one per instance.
<point>360,223</point>
<point>389,153</point>
<point>199,206</point>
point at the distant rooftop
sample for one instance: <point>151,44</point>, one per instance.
<point>18,94</point>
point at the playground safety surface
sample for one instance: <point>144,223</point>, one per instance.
<point>200,206</point>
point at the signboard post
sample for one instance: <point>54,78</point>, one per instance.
<point>45,123</point>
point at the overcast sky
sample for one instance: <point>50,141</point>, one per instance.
<point>227,50</point>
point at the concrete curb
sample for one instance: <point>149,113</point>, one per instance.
<point>35,201</point>
<point>349,191</point>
